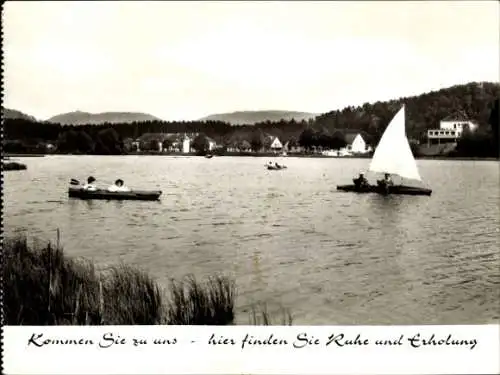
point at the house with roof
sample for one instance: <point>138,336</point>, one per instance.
<point>212,145</point>
<point>244,145</point>
<point>356,144</point>
<point>451,129</point>
<point>292,146</point>
<point>276,145</point>
<point>164,142</point>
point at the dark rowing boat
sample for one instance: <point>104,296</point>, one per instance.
<point>13,166</point>
<point>275,168</point>
<point>141,195</point>
<point>395,189</point>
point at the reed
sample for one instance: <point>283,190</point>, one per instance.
<point>44,287</point>
<point>259,316</point>
<point>130,296</point>
<point>194,303</point>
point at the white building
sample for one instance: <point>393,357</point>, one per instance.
<point>212,145</point>
<point>356,144</point>
<point>450,129</point>
<point>186,145</point>
<point>337,153</point>
<point>276,144</point>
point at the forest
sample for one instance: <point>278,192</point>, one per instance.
<point>477,101</point>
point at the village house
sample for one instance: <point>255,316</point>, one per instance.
<point>186,145</point>
<point>276,145</point>
<point>150,142</point>
<point>356,144</point>
<point>244,146</point>
<point>292,147</point>
<point>450,129</point>
<point>212,145</point>
<point>164,142</point>
<point>233,147</point>
<point>271,143</point>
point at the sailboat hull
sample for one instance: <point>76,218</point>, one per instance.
<point>396,189</point>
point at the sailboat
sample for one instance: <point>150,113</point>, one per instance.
<point>393,155</point>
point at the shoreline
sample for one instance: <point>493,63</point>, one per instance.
<point>9,155</point>
<point>262,155</point>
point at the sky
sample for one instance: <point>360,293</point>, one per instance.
<point>186,60</point>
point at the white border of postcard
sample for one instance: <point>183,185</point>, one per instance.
<point>451,349</point>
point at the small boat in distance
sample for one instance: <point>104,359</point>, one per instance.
<point>392,156</point>
<point>275,167</point>
<point>13,166</point>
<point>76,191</point>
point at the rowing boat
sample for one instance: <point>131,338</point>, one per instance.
<point>395,189</point>
<point>393,155</point>
<point>275,168</point>
<point>13,166</point>
<point>142,195</point>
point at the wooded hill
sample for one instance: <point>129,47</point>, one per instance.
<point>475,100</point>
<point>423,112</point>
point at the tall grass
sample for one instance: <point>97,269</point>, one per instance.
<point>130,295</point>
<point>210,303</point>
<point>261,317</point>
<point>44,287</point>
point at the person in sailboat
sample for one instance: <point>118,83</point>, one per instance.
<point>361,181</point>
<point>388,180</point>
<point>90,186</point>
<point>118,186</point>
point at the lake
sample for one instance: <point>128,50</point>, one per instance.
<point>287,237</point>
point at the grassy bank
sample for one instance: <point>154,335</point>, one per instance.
<point>44,287</point>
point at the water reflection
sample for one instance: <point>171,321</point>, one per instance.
<point>288,238</point>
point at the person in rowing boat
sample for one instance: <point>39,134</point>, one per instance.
<point>118,186</point>
<point>361,181</point>
<point>90,184</point>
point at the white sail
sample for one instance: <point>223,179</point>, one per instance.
<point>393,154</point>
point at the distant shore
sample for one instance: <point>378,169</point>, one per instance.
<point>267,155</point>
<point>8,155</point>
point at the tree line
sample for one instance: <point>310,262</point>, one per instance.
<point>478,102</point>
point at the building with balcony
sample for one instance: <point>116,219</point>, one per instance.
<point>450,129</point>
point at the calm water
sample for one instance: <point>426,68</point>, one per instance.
<point>288,237</point>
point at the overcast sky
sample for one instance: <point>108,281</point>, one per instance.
<point>185,60</point>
